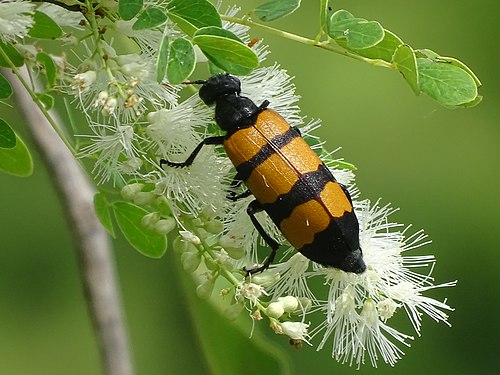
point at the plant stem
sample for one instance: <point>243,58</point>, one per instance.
<point>312,42</point>
<point>92,243</point>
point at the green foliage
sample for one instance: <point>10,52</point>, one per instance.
<point>7,135</point>
<point>13,55</point>
<point>49,68</point>
<point>5,89</point>
<point>181,60</point>
<point>406,62</point>
<point>449,81</point>
<point>162,60</point>
<point>225,50</point>
<point>44,27</point>
<point>150,18</point>
<point>274,9</point>
<point>17,160</point>
<point>47,100</point>
<point>103,212</point>
<point>129,219</point>
<point>128,9</point>
<point>358,32</point>
<point>449,84</point>
<point>190,15</point>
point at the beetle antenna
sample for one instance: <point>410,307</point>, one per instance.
<point>198,82</point>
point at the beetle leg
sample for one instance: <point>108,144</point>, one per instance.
<point>207,141</point>
<point>252,209</point>
<point>296,128</point>
<point>231,195</point>
<point>263,106</point>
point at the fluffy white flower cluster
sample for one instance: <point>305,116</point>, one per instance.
<point>136,121</point>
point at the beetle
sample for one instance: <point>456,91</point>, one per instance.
<point>288,180</point>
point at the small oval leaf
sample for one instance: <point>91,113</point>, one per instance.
<point>162,59</point>
<point>128,9</point>
<point>228,54</point>
<point>147,242</point>
<point>49,67</point>
<point>44,27</point>
<point>181,60</point>
<point>7,135</point>
<point>383,50</point>
<point>191,15</point>
<point>150,18</point>
<point>16,161</point>
<point>101,207</point>
<point>358,32</point>
<point>406,62</point>
<point>274,9</point>
<point>12,53</point>
<point>5,88</point>
<point>448,84</point>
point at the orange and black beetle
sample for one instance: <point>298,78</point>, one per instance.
<point>288,180</point>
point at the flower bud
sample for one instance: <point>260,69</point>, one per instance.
<point>143,198</point>
<point>190,237</point>
<point>205,289</point>
<point>165,226</point>
<point>128,192</point>
<point>190,261</point>
<point>275,310</point>
<point>179,245</point>
<point>149,220</point>
<point>265,279</point>
<point>290,303</point>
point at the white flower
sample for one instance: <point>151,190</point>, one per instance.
<point>296,330</point>
<point>358,306</point>
<point>83,81</point>
<point>113,145</point>
<point>292,278</point>
<point>273,84</point>
<point>15,19</point>
<point>251,292</point>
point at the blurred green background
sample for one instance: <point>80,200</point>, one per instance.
<point>439,166</point>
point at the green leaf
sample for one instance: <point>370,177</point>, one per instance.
<point>147,242</point>
<point>101,206</point>
<point>7,135</point>
<point>448,84</point>
<point>44,27</point>
<point>47,100</point>
<point>358,32</point>
<point>162,60</point>
<point>17,160</point>
<point>461,65</point>
<point>226,51</point>
<point>191,15</point>
<point>181,61</point>
<point>275,9</point>
<point>383,50</point>
<point>12,53</point>
<point>214,69</point>
<point>150,18</point>
<point>128,9</point>
<point>49,67</point>
<point>472,103</point>
<point>5,89</point>
<point>406,62</point>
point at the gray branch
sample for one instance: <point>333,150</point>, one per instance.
<point>92,243</point>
